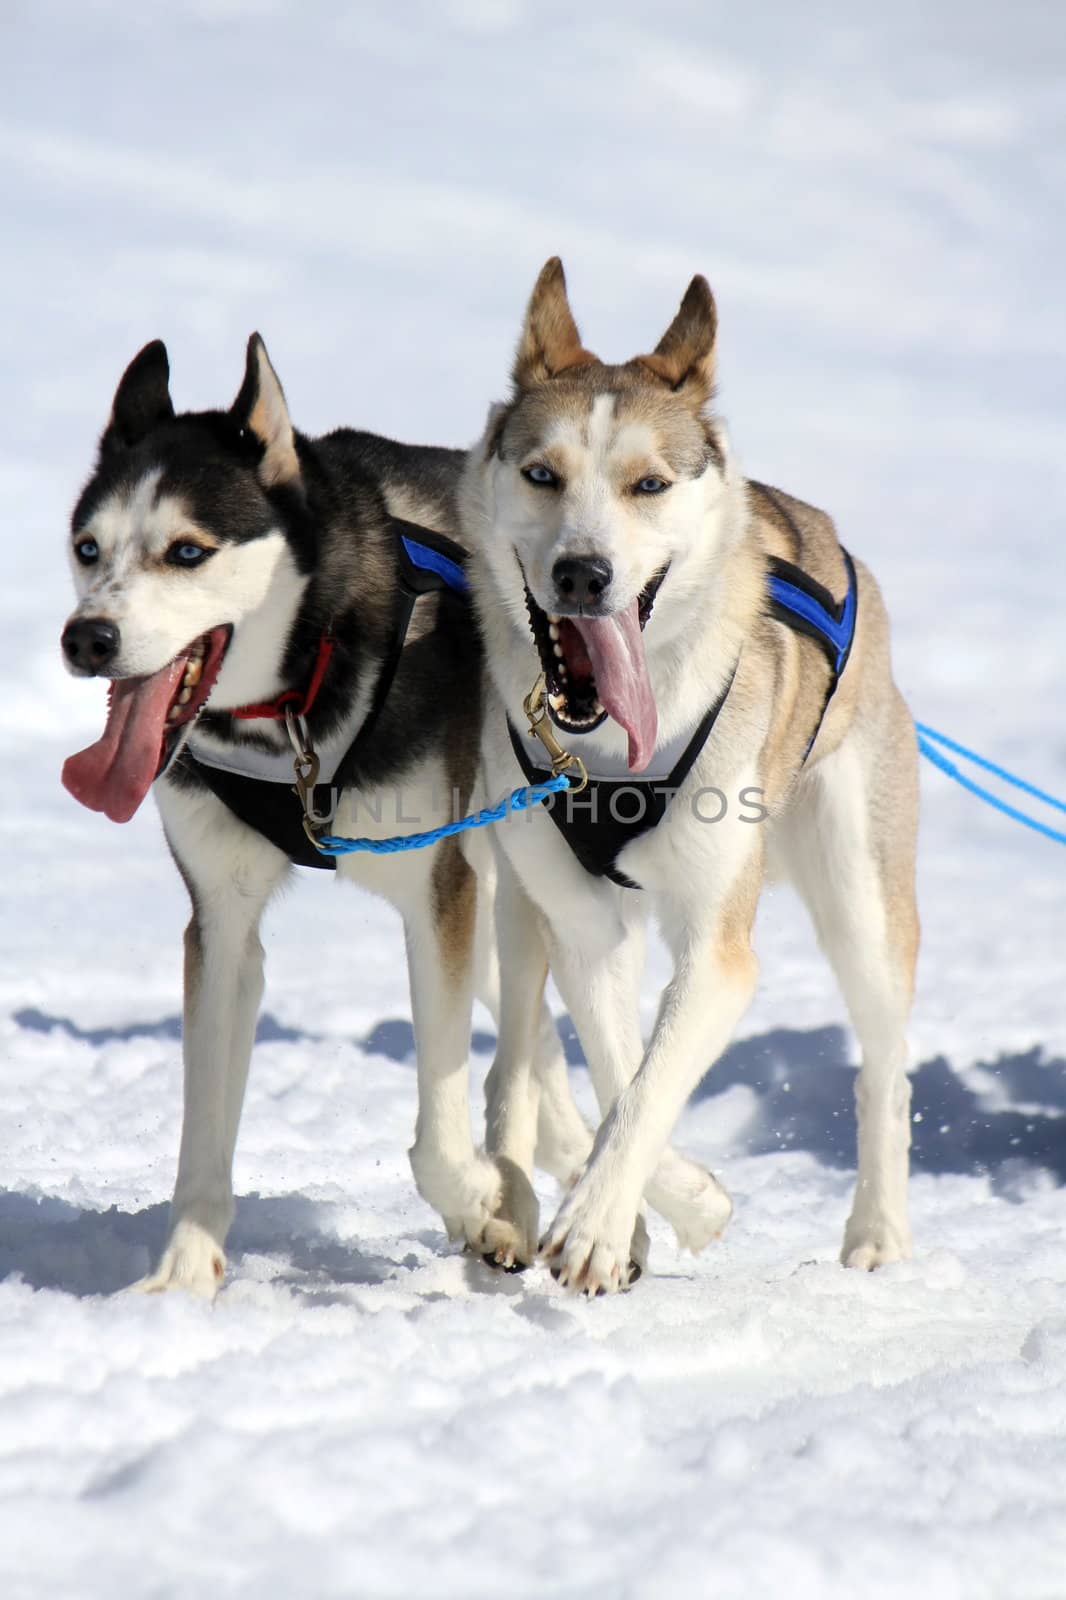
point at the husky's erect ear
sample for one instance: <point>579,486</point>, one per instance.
<point>684,356</point>
<point>550,342</point>
<point>142,399</point>
<point>260,410</point>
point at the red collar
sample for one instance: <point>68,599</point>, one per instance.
<point>292,699</point>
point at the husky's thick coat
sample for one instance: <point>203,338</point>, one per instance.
<point>620,553</point>
<point>212,554</point>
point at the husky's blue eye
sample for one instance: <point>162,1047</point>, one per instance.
<point>651,485</point>
<point>541,475</point>
<point>186,554</point>
<point>86,551</point>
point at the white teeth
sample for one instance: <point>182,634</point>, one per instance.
<point>557,701</point>
<point>173,714</point>
<point>553,632</point>
<point>554,620</point>
<point>599,708</point>
<point>563,673</point>
<point>558,651</point>
<point>184,697</point>
<point>193,672</point>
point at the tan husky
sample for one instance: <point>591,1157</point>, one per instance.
<point>721,666</point>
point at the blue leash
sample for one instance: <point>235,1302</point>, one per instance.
<point>517,800</point>
<point>535,794</point>
<point>928,738</point>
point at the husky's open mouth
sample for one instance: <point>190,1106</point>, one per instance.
<point>595,667</point>
<point>144,718</point>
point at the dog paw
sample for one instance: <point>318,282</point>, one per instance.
<point>465,1193</point>
<point>691,1200</point>
<point>874,1242</point>
<point>508,1238</point>
<point>590,1245</point>
<point>488,1204</point>
<point>193,1260</point>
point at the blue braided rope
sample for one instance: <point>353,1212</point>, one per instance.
<point>535,794</point>
<point>517,800</point>
<point>928,738</point>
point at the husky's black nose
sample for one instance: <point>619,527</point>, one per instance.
<point>90,644</point>
<point>581,580</point>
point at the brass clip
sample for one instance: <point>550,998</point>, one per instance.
<point>535,706</point>
<point>306,767</point>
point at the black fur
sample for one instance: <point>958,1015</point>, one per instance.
<point>336,519</point>
<point>142,398</point>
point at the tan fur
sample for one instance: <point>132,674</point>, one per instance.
<point>454,908</point>
<point>269,421</point>
<point>454,880</point>
<point>736,918</point>
<point>683,442</point>
<point>550,342</point>
<point>195,534</point>
<point>684,356</point>
<point>194,959</point>
<point>410,506</point>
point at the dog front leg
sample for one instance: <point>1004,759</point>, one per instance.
<point>600,989</point>
<point>588,1244</point>
<point>223,988</point>
<point>230,873</point>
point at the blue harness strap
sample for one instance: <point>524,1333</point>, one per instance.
<point>432,558</point>
<point>807,607</point>
<point>803,604</point>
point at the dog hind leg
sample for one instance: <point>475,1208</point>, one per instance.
<point>564,1138</point>
<point>514,1089</point>
<point>850,851</point>
<point>467,1189</point>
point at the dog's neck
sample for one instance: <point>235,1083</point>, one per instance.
<point>253,670</point>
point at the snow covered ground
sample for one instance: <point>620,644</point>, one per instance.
<point>876,195</point>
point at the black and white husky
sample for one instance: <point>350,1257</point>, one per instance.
<point>246,589</point>
<point>722,667</point>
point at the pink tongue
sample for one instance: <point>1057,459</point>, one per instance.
<point>114,774</point>
<point>616,650</point>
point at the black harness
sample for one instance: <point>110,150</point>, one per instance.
<point>426,563</point>
<point>609,813</point>
<point>599,821</point>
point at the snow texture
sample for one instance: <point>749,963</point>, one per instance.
<point>876,196</point>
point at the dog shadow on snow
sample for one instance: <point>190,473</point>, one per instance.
<point>52,1244</point>
<point>802,1084</point>
<point>799,1083</point>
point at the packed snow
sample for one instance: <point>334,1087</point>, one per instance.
<point>876,196</point>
